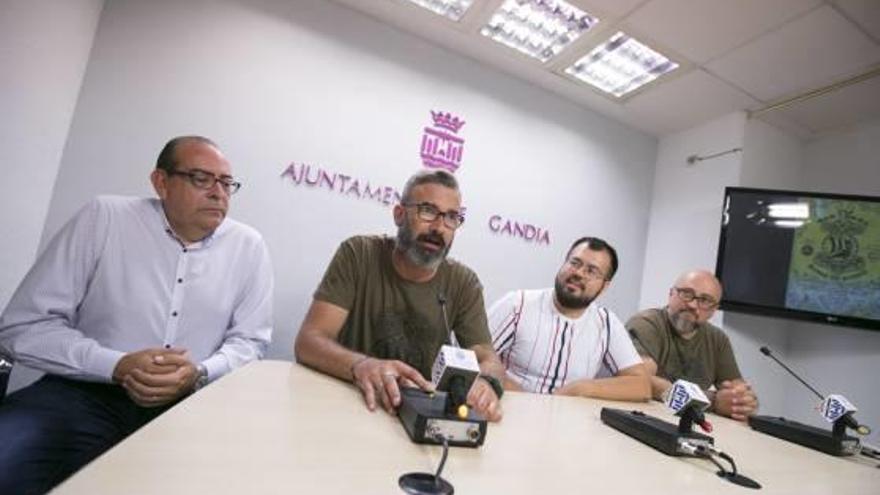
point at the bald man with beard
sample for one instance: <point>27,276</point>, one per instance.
<point>678,342</point>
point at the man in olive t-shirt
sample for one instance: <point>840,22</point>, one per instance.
<point>678,342</point>
<point>384,305</point>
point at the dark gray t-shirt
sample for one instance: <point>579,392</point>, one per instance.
<point>706,359</point>
<point>392,318</point>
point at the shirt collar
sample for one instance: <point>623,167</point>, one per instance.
<point>166,226</point>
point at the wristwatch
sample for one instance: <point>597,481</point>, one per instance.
<point>496,385</point>
<point>201,377</point>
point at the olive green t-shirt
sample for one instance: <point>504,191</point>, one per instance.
<point>706,359</point>
<point>392,318</point>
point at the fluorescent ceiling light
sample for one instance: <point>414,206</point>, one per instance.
<point>453,9</point>
<point>621,65</point>
<point>538,28</point>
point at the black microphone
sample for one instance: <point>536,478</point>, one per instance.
<point>444,415</point>
<point>766,351</point>
<point>835,409</point>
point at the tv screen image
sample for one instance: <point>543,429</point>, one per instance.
<point>801,255</point>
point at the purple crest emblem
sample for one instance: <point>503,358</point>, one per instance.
<point>441,148</point>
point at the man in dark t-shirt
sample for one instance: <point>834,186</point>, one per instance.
<point>678,342</point>
<point>386,305</point>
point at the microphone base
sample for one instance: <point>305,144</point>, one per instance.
<point>423,416</point>
<point>806,435</point>
<point>652,431</point>
<point>424,484</point>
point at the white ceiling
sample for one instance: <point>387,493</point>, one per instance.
<point>735,55</point>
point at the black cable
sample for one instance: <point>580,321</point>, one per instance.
<point>442,460</point>
<point>728,459</point>
<point>705,453</point>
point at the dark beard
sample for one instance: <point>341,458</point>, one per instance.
<point>569,301</point>
<point>407,244</point>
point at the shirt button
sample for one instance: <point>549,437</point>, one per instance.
<point>174,313</point>
<point>184,250</point>
<point>180,281</point>
<point>168,346</point>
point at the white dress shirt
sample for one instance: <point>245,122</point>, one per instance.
<point>116,280</point>
<point>544,350</point>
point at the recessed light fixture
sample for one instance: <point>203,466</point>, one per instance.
<point>538,28</point>
<point>621,65</point>
<point>452,9</point>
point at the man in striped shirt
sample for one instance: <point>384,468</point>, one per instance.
<point>557,341</point>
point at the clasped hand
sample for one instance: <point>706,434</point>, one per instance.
<point>155,377</point>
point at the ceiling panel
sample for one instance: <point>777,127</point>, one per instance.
<point>865,13</point>
<point>846,107</point>
<point>614,8</point>
<point>796,58</point>
<point>756,50</point>
<point>702,30</point>
<point>670,107</point>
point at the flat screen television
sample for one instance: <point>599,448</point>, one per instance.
<point>801,255</point>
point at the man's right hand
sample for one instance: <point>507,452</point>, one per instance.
<point>138,369</point>
<point>735,399</point>
<point>380,381</point>
<point>144,361</point>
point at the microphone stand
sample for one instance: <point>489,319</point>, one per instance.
<point>427,483</point>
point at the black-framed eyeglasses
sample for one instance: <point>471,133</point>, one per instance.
<point>429,212</point>
<point>592,272</point>
<point>206,180</point>
<point>688,295</point>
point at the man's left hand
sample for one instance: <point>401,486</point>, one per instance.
<point>155,389</point>
<point>736,399</point>
<point>483,400</point>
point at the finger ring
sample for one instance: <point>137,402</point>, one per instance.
<point>392,375</point>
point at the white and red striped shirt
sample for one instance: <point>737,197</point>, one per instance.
<point>544,350</point>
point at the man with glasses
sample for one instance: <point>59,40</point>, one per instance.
<point>559,341</point>
<point>385,305</point>
<point>678,342</point>
<point>134,304</point>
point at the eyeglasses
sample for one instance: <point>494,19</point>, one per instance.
<point>429,212</point>
<point>592,272</point>
<point>688,295</point>
<point>206,180</point>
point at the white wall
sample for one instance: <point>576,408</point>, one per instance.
<point>686,205</point>
<point>44,48</point>
<point>308,81</point>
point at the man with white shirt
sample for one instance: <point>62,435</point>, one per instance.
<point>133,305</point>
<point>559,341</point>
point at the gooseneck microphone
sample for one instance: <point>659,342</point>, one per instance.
<point>766,351</point>
<point>835,409</point>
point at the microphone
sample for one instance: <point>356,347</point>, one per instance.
<point>836,409</point>
<point>689,402</point>
<point>455,369</point>
<point>443,416</point>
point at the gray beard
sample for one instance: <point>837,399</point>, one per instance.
<point>683,326</point>
<point>406,243</point>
